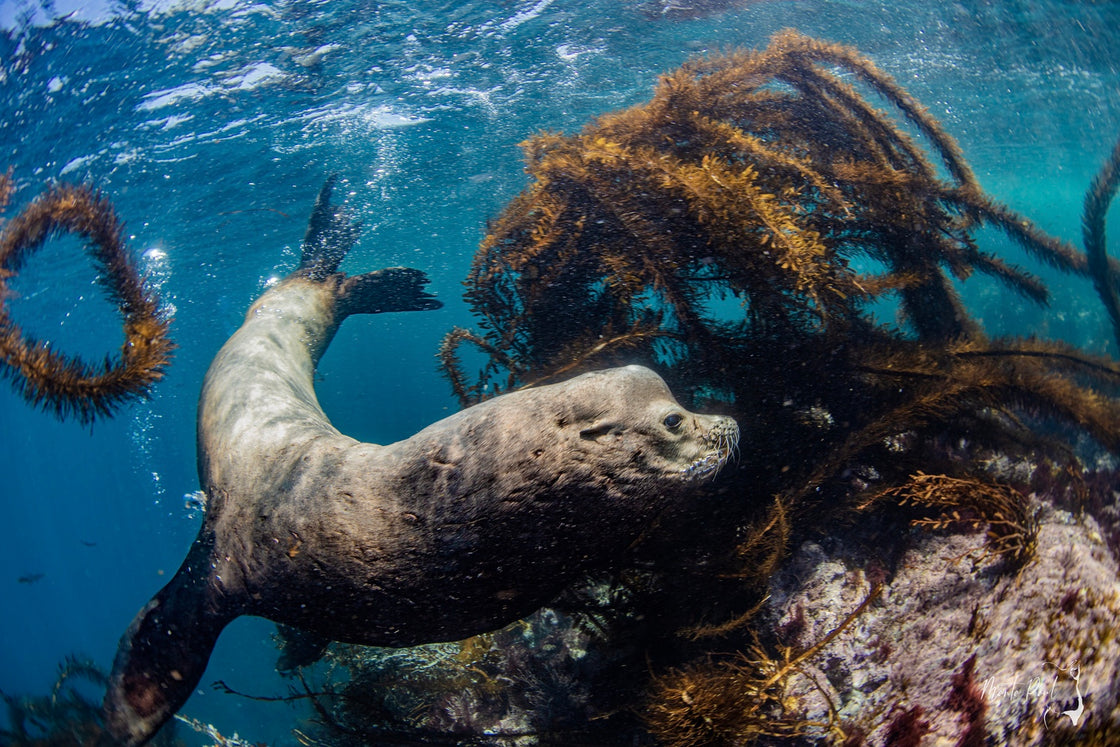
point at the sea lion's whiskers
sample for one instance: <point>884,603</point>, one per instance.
<point>723,442</point>
<point>727,446</point>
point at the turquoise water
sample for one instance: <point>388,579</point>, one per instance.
<point>211,127</point>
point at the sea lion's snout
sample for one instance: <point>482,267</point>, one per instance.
<point>721,439</point>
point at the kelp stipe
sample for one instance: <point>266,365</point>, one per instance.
<point>1097,200</point>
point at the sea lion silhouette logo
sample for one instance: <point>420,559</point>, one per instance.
<point>1075,714</point>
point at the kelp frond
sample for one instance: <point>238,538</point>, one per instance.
<point>758,175</point>
<point>1001,511</point>
<point>1105,277</point>
<point>740,700</point>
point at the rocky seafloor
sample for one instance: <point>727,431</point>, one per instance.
<point>955,654</point>
<point>952,646</point>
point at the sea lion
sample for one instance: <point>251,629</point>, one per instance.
<point>472,523</point>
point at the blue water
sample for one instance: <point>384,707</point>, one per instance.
<point>211,126</point>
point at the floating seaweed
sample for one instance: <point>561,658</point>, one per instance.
<point>66,385</point>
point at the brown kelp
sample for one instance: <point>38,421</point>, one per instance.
<point>748,232</point>
<point>67,385</point>
<point>739,700</point>
<point>741,231</point>
<point>997,509</point>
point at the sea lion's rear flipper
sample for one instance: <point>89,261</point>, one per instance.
<point>330,235</point>
<point>162,656</point>
<point>391,289</point>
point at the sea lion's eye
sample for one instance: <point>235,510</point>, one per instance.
<point>673,421</point>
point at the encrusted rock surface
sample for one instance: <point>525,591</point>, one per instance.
<point>956,654</point>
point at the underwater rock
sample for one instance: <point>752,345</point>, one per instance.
<point>954,654</point>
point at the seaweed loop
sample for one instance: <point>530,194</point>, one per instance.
<point>67,385</point>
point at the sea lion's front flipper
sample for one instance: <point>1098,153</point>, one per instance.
<point>163,654</point>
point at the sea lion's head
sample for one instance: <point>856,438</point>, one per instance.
<point>627,418</point>
<point>606,443</point>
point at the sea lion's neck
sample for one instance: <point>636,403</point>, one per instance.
<point>299,315</point>
<point>259,389</point>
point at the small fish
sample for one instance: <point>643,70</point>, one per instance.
<point>30,578</point>
<point>87,543</point>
